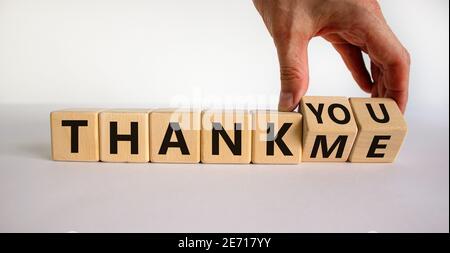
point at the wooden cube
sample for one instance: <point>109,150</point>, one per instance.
<point>124,135</point>
<point>226,137</point>
<point>175,136</point>
<point>382,130</point>
<point>276,137</point>
<point>75,135</point>
<point>329,129</point>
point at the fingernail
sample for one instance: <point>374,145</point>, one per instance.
<point>286,101</point>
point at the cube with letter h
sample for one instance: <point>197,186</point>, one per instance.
<point>382,129</point>
<point>124,135</point>
<point>329,129</point>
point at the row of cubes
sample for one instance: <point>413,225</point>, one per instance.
<point>326,129</point>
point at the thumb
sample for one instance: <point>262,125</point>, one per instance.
<point>294,72</point>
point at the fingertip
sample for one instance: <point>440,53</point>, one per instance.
<point>400,97</point>
<point>364,83</point>
<point>401,105</point>
<point>286,102</point>
<point>290,95</point>
<point>402,108</point>
<point>366,87</point>
<point>294,76</point>
<point>294,83</point>
<point>289,101</point>
<point>374,91</point>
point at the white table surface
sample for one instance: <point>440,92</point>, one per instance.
<point>41,195</point>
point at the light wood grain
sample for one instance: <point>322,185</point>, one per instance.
<point>328,135</point>
<point>381,126</point>
<point>185,147</point>
<point>124,119</point>
<point>327,129</point>
<point>228,120</point>
<point>85,145</point>
<point>276,137</point>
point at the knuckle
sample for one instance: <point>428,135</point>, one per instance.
<point>374,5</point>
<point>402,60</point>
<point>289,73</point>
<point>370,5</point>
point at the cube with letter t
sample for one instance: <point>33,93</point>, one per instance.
<point>382,130</point>
<point>75,135</point>
<point>329,129</point>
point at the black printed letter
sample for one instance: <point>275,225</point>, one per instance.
<point>317,113</point>
<point>180,143</point>
<point>218,129</point>
<point>333,117</point>
<point>74,125</point>
<point>278,139</point>
<point>322,139</point>
<point>114,137</point>
<point>376,145</point>
<point>385,118</point>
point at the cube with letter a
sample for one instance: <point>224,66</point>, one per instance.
<point>175,136</point>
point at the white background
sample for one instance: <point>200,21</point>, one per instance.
<point>61,53</point>
<point>137,52</point>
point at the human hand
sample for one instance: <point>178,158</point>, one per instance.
<point>353,27</point>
